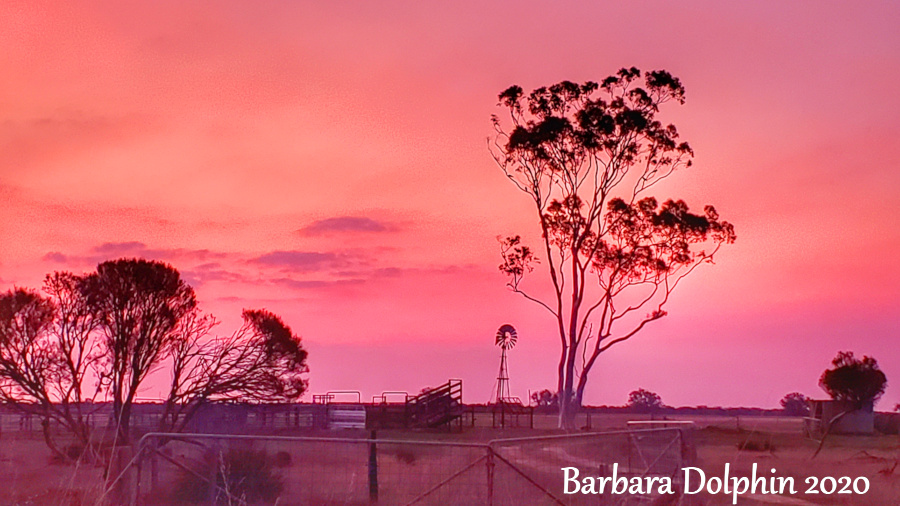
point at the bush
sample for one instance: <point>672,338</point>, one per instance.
<point>644,401</point>
<point>795,404</point>
<point>246,475</point>
<point>854,380</point>
<point>756,446</point>
<point>70,455</point>
<point>283,459</point>
<point>406,456</point>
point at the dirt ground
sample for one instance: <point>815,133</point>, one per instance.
<point>28,475</point>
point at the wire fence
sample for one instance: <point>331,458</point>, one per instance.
<point>218,469</point>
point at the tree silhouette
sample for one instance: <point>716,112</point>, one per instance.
<point>264,361</point>
<point>46,354</point>
<point>545,400</point>
<point>795,404</point>
<point>644,401</point>
<point>585,155</point>
<point>858,381</point>
<point>117,325</point>
<point>139,305</point>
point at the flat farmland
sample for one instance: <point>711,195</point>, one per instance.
<point>337,473</point>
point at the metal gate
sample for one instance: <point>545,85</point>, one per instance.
<point>219,469</point>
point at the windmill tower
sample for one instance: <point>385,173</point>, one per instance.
<point>506,339</point>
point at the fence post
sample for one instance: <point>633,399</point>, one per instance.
<point>373,468</point>
<point>138,470</point>
<point>122,488</point>
<point>217,458</point>
<point>490,476</point>
<point>154,469</point>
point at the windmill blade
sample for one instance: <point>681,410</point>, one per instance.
<point>506,337</point>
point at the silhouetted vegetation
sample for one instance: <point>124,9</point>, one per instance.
<point>644,401</point>
<point>753,445</point>
<point>858,381</point>
<point>240,477</point>
<point>585,155</point>
<point>111,328</point>
<point>545,401</point>
<point>795,404</point>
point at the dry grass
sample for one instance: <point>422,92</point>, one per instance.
<point>29,477</point>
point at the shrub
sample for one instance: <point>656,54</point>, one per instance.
<point>406,456</point>
<point>854,380</point>
<point>795,404</point>
<point>245,475</point>
<point>282,459</point>
<point>644,401</point>
<point>756,446</point>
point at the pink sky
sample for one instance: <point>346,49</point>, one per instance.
<point>327,161</point>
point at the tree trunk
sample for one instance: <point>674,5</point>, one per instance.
<point>48,440</point>
<point>567,407</point>
<point>828,428</point>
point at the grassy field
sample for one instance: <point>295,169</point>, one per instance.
<point>31,477</point>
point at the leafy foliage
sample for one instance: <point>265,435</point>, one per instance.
<point>858,381</point>
<point>139,305</point>
<point>264,361</point>
<point>585,154</point>
<point>545,401</point>
<point>795,404</point>
<point>45,356</point>
<point>241,477</point>
<point>115,327</point>
<point>644,401</point>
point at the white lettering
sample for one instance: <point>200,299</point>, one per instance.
<point>687,480</point>
<point>637,486</point>
<point>603,482</point>
<point>666,486</point>
<point>573,479</point>
<point>587,485</point>
<point>739,486</point>
<point>789,481</point>
<point>619,480</point>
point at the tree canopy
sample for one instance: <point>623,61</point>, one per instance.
<point>644,401</point>
<point>795,404</point>
<point>858,381</point>
<point>585,155</point>
<point>116,326</point>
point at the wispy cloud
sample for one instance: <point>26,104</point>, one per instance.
<point>27,142</point>
<point>346,224</point>
<point>305,261</point>
<point>55,256</point>
<point>119,248</point>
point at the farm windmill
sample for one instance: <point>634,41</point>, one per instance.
<point>506,339</point>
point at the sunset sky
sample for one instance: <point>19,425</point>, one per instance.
<point>328,161</point>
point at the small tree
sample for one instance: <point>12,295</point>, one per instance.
<point>857,381</point>
<point>795,404</point>
<point>644,401</point>
<point>585,155</point>
<point>264,361</point>
<point>545,400</point>
<point>45,356</point>
<point>140,306</point>
<point>117,325</point>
